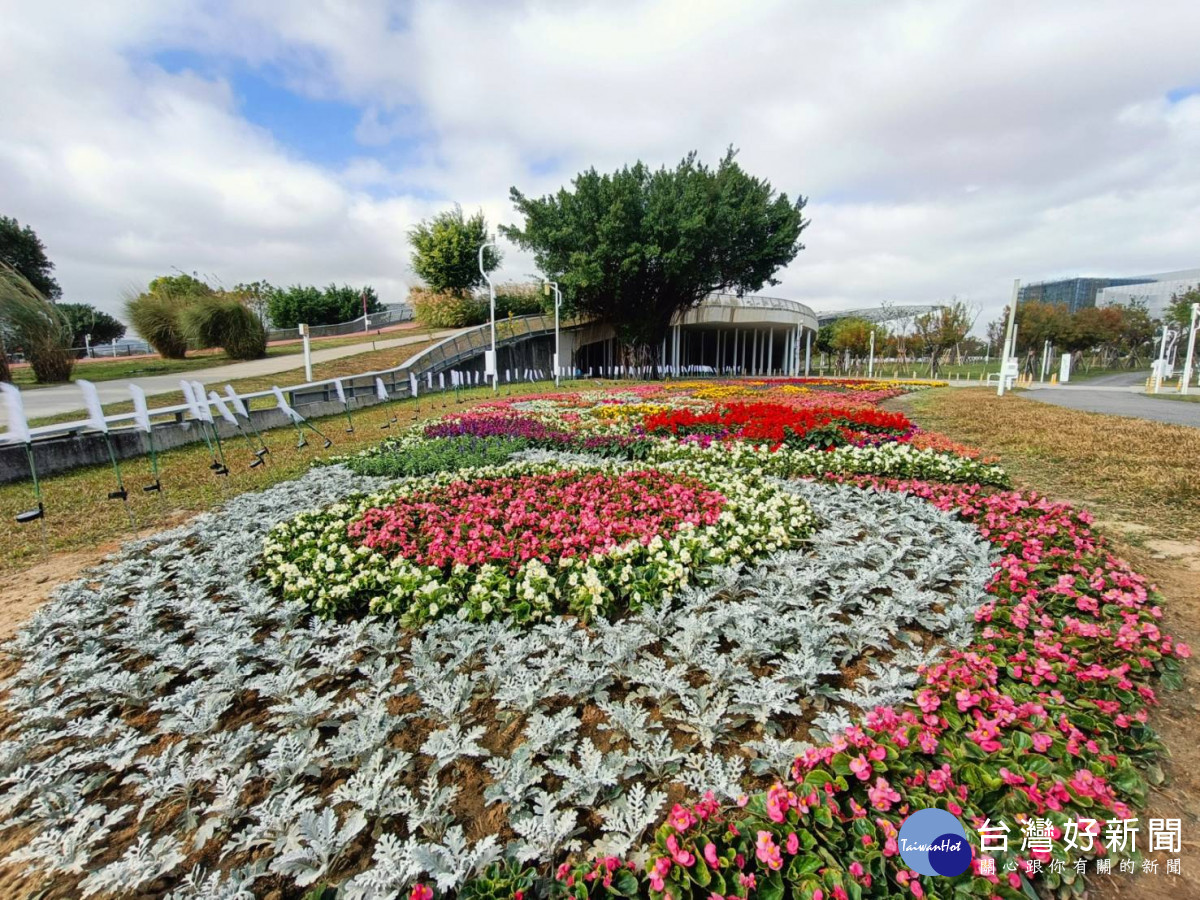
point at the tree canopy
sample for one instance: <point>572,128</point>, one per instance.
<point>85,319</point>
<point>311,305</point>
<point>1179,311</point>
<point>1114,330</point>
<point>940,329</point>
<point>446,251</point>
<point>23,250</point>
<point>854,334</point>
<point>636,247</point>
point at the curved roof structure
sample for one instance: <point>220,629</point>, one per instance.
<point>749,310</point>
<point>878,313</point>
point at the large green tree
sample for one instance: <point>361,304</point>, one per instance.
<point>446,251</point>
<point>1179,311</point>
<point>21,248</point>
<point>85,319</point>
<point>636,247</point>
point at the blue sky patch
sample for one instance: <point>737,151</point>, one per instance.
<point>318,130</point>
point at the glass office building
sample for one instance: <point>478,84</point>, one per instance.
<point>1074,293</point>
<point>1155,290</point>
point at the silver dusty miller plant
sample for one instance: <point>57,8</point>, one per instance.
<point>134,683</point>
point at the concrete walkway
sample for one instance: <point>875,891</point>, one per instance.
<point>1118,395</point>
<point>64,398</point>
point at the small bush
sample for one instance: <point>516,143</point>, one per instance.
<point>221,321</point>
<point>398,460</point>
<point>447,310</point>
<point>500,881</point>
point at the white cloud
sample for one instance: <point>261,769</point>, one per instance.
<point>948,147</point>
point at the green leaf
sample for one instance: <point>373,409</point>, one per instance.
<point>802,864</point>
<point>770,888</point>
<point>699,873</point>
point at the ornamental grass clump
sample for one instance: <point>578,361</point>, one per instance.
<point>34,326</point>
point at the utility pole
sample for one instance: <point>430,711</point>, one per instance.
<point>1187,364</point>
<point>489,358</point>
<point>553,285</point>
<point>1008,339</point>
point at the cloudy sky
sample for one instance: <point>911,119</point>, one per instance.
<point>946,147</point>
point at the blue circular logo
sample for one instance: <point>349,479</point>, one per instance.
<point>933,842</point>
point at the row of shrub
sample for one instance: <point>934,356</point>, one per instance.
<point>306,304</point>
<point>461,309</point>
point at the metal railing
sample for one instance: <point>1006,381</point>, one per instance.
<point>392,314</point>
<point>443,355</point>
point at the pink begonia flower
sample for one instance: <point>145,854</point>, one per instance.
<point>710,855</point>
<point>860,767</point>
<point>793,843</point>
<point>684,857</point>
<point>882,795</point>
<point>767,851</point>
<point>420,892</point>
<point>680,818</point>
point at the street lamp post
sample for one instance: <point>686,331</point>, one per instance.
<point>1187,363</point>
<point>553,285</point>
<point>1010,345</point>
<point>1162,359</point>
<point>489,364</point>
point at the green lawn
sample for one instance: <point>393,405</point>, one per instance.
<point>136,367</point>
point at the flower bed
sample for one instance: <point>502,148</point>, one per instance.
<point>526,540</point>
<point>548,518</point>
<point>206,738</point>
<point>779,424</point>
<point>1043,715</point>
<point>772,696</point>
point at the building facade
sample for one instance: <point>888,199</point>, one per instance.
<point>1079,293</point>
<point>1155,293</point>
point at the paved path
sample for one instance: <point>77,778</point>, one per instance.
<point>51,401</point>
<point>1118,395</point>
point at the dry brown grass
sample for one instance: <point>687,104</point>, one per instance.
<point>1134,473</point>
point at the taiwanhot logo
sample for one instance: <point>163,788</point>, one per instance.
<point>934,842</point>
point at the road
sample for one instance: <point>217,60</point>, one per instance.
<point>1117,395</point>
<point>64,398</point>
